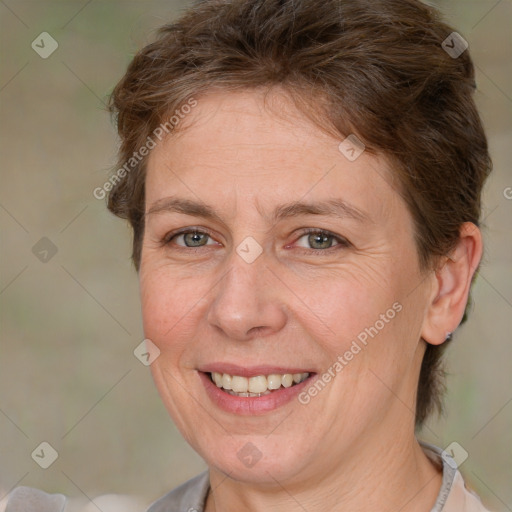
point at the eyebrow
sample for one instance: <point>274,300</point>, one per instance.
<point>330,208</point>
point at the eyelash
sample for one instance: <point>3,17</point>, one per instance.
<point>341,242</point>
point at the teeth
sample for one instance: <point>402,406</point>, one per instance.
<point>248,394</point>
<point>225,381</point>
<point>239,384</point>
<point>287,380</point>
<point>274,381</point>
<point>217,378</point>
<point>256,386</point>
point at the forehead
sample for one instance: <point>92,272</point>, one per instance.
<point>260,149</point>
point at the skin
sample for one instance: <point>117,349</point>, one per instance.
<point>352,447</point>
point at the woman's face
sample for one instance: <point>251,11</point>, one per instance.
<point>232,283</point>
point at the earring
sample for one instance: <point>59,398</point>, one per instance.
<point>448,336</point>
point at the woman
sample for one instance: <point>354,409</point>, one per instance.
<point>303,180</point>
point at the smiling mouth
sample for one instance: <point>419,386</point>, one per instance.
<point>260,385</point>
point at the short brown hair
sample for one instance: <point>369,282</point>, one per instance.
<point>375,68</point>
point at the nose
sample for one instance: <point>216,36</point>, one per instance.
<point>246,301</point>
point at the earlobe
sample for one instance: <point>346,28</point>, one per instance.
<point>449,296</point>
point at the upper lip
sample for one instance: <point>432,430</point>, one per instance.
<point>251,371</point>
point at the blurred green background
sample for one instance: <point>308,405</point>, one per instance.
<point>69,326</point>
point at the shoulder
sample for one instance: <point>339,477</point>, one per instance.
<point>28,499</point>
<point>188,497</point>
<point>461,499</point>
<point>453,496</point>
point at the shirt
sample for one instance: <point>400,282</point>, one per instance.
<point>453,496</point>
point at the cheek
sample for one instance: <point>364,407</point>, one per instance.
<point>368,331</point>
<point>338,305</point>
<point>170,304</point>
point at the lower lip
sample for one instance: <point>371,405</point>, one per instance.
<point>250,406</point>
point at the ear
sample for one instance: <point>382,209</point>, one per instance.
<point>449,295</point>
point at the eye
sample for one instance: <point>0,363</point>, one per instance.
<point>318,239</point>
<point>191,238</point>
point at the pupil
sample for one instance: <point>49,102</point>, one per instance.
<point>321,239</point>
<point>194,238</point>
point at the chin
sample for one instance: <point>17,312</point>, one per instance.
<point>255,459</point>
